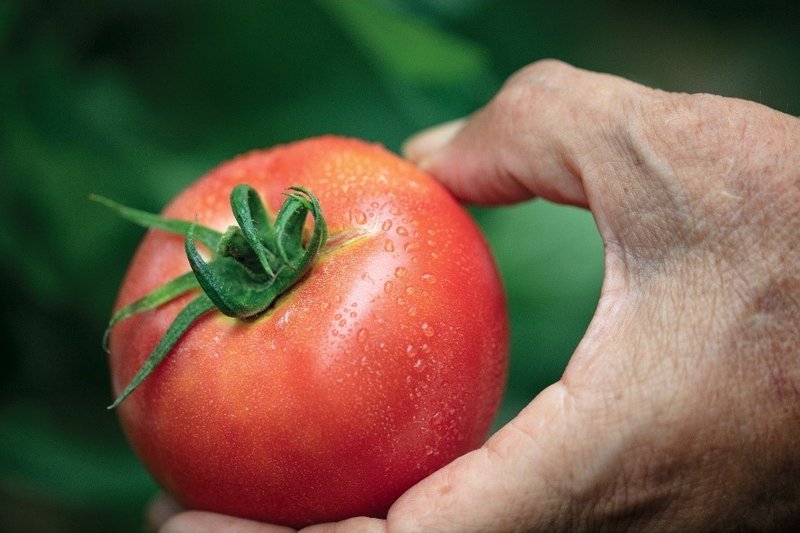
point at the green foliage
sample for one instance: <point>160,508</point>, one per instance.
<point>407,48</point>
<point>134,100</point>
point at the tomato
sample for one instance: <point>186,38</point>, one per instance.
<point>386,361</point>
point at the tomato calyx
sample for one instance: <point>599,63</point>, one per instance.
<point>252,264</point>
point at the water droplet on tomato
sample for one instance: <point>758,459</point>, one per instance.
<point>409,290</point>
<point>361,336</point>
<point>388,245</point>
<point>387,225</point>
<point>411,351</point>
<point>401,231</point>
<point>427,329</point>
<point>410,247</point>
<point>429,278</point>
<point>400,272</point>
<point>359,216</point>
<point>412,311</point>
<point>387,287</point>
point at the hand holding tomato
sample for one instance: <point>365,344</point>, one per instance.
<point>680,408</point>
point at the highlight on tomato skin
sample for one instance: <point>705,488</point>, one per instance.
<point>383,362</point>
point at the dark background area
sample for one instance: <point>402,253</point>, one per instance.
<point>135,100</point>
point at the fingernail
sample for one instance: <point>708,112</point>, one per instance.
<point>423,145</point>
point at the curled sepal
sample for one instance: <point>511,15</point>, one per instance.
<point>194,310</point>
<point>235,290</point>
<point>240,292</point>
<point>256,228</point>
<point>251,264</point>
<point>161,295</point>
<point>289,228</point>
<point>209,237</point>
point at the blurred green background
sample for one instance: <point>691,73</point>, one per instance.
<point>135,100</point>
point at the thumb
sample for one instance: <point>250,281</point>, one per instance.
<point>509,484</point>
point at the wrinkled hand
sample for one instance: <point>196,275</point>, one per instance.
<point>680,408</point>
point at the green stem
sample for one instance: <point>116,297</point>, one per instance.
<point>194,310</point>
<point>160,296</point>
<point>252,265</point>
<point>209,237</point>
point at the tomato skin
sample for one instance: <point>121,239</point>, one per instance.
<point>386,362</point>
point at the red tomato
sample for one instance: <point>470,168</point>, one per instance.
<point>386,362</point>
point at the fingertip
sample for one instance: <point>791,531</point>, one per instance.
<point>422,146</point>
<point>162,507</point>
<point>205,522</point>
<point>509,484</point>
<point>360,524</point>
<point>441,502</point>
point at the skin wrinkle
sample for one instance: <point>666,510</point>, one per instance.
<point>656,482</point>
<point>444,497</point>
<point>775,288</point>
<point>609,496</point>
<point>662,206</point>
<point>700,238</point>
<point>523,96</point>
<point>761,333</point>
<point>505,445</point>
<point>602,480</point>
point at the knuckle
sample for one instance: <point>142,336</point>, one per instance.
<point>543,91</point>
<point>542,71</point>
<point>536,80</point>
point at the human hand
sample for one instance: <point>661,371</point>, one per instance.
<point>680,408</point>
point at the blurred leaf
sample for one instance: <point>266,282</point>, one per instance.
<point>40,458</point>
<point>75,470</point>
<point>408,48</point>
<point>551,259</point>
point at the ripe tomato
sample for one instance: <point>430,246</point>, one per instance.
<point>384,363</point>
